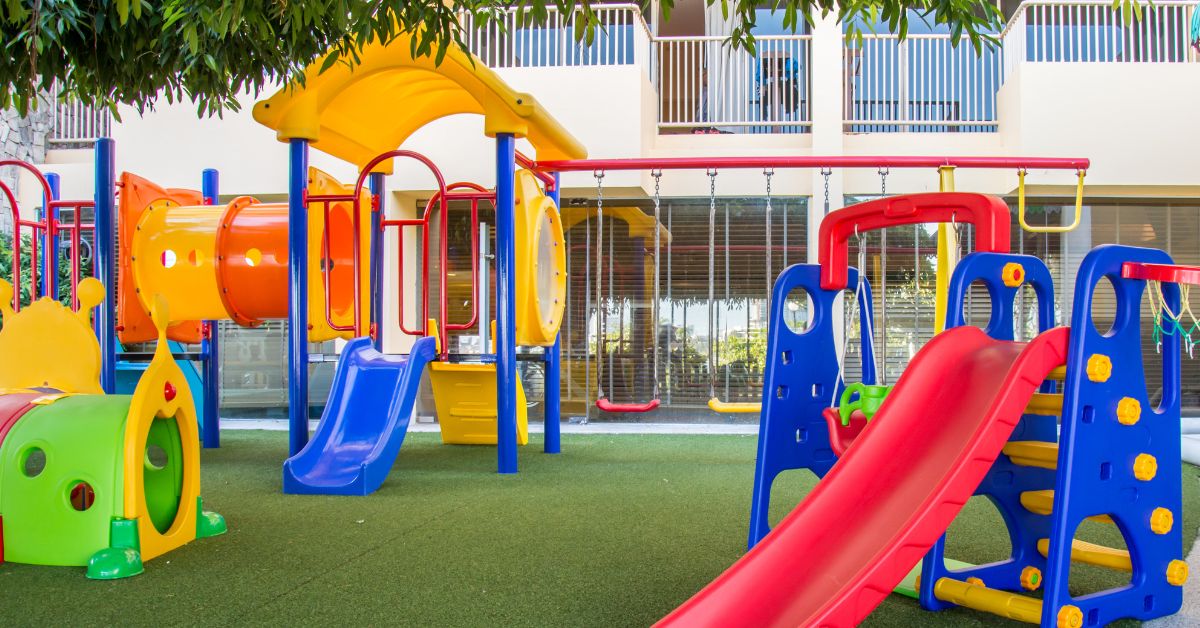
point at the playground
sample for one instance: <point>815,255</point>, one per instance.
<point>1021,456</point>
<point>566,554</point>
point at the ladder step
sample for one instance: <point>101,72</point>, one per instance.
<point>1033,453</point>
<point>1058,374</point>
<point>981,598</point>
<point>1045,403</point>
<point>1042,503</point>
<point>1092,554</point>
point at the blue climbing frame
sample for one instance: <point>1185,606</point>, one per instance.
<point>505,253</point>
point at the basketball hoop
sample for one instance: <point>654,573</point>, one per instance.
<point>1168,322</point>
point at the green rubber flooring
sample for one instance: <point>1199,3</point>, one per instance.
<point>615,532</point>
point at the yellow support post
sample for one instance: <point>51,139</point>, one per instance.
<point>1092,554</point>
<point>947,256</point>
<point>981,598</point>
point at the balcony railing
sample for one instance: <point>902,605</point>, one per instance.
<point>703,83</point>
<point>920,84</point>
<point>1093,31</point>
<point>621,38</point>
<point>76,124</point>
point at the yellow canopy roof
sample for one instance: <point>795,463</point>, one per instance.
<point>356,114</point>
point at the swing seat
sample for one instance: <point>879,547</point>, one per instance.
<point>608,406</point>
<point>842,436</point>
<point>733,407</point>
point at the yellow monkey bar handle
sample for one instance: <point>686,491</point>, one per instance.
<point>1047,228</point>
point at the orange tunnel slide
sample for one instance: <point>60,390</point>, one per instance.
<point>230,262</point>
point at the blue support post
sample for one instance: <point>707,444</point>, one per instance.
<point>211,345</point>
<point>376,184</point>
<point>297,295</point>
<point>506,288</point>
<point>50,239</point>
<point>552,382</point>
<point>106,260</point>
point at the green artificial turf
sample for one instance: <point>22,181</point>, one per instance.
<point>617,531</point>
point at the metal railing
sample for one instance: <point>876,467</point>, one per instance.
<point>705,83</point>
<point>621,38</point>
<point>76,124</point>
<point>1094,31</point>
<point>920,84</point>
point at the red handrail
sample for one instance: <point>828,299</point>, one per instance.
<point>50,226</point>
<point>423,222</point>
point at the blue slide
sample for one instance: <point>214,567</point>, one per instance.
<point>370,404</point>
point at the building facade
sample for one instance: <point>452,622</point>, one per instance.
<point>1065,78</point>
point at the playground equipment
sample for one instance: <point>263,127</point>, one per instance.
<point>602,401</point>
<point>214,262</point>
<point>88,479</point>
<point>996,435</point>
<point>61,225</point>
<point>351,115</point>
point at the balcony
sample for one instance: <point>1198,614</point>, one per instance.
<point>922,84</point>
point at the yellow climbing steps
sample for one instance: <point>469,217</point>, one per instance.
<point>981,598</point>
<point>1032,453</point>
<point>1092,554</point>
<point>465,396</point>
<point>1049,404</point>
<point>1042,503</point>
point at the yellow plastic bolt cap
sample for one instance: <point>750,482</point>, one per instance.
<point>1013,274</point>
<point>1099,368</point>
<point>976,581</point>
<point>1129,410</point>
<point>1177,573</point>
<point>1070,616</point>
<point>1145,467</point>
<point>1161,521</point>
<point>1031,578</point>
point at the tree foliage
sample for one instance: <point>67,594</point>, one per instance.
<point>104,52</point>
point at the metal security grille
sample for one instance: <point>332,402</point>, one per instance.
<point>740,284</point>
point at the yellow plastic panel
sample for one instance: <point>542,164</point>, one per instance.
<point>465,397</point>
<point>162,392</point>
<point>341,217</point>
<point>174,252</point>
<point>541,264</point>
<point>356,114</point>
<point>46,345</point>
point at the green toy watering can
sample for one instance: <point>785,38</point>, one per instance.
<point>870,397</point>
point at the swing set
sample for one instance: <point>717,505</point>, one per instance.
<point>947,243</point>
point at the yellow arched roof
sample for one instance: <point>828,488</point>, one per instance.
<point>356,114</point>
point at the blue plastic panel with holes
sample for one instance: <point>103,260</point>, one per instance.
<point>1099,452</point>
<point>1005,482</point>
<point>800,381</point>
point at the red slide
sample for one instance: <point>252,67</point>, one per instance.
<point>883,505</point>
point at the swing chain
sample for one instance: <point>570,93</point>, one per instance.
<point>883,175</point>
<point>657,174</point>
<point>600,309</point>
<point>768,173</point>
<point>826,172</point>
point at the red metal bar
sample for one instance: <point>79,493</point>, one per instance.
<point>424,223</point>
<point>813,161</point>
<point>16,248</point>
<point>531,165</point>
<point>327,266</point>
<point>478,192</point>
<point>51,227</point>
